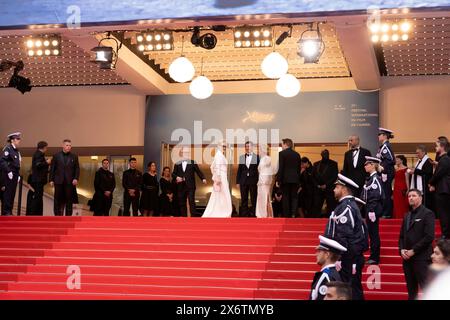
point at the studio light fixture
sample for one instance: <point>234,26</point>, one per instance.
<point>201,87</point>
<point>253,37</point>
<point>154,41</point>
<point>390,31</point>
<point>43,45</point>
<point>20,83</point>
<point>181,69</point>
<point>106,56</point>
<point>311,45</point>
<point>207,41</point>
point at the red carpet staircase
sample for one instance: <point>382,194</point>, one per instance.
<point>173,258</point>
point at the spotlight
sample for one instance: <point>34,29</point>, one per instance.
<point>252,37</point>
<point>104,56</point>
<point>20,83</point>
<point>40,45</point>
<point>154,41</point>
<point>311,47</point>
<point>207,41</point>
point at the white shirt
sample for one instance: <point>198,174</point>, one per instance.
<point>248,159</point>
<point>355,157</point>
<point>184,165</point>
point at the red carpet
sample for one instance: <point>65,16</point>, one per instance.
<point>173,258</point>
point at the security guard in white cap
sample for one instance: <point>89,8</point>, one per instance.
<point>327,253</point>
<point>387,157</point>
<point>348,228</point>
<point>10,166</point>
<point>373,195</point>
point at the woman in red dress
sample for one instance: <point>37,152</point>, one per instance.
<point>401,186</point>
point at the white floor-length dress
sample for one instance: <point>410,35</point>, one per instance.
<point>263,204</point>
<point>219,204</point>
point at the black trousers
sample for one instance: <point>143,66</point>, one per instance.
<point>103,205</point>
<point>290,199</point>
<point>35,204</point>
<point>415,275</point>
<point>374,237</point>
<point>9,194</point>
<point>184,193</point>
<point>388,204</point>
<point>63,199</point>
<point>128,202</point>
<point>353,278</point>
<point>319,197</point>
<point>247,189</point>
<point>442,202</point>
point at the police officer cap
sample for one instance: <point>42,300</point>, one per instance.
<point>344,181</point>
<point>372,160</point>
<point>15,135</point>
<point>359,201</point>
<point>328,244</point>
<point>385,131</point>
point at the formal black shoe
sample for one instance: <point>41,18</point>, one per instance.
<point>371,262</point>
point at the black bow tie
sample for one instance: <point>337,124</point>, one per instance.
<point>355,149</point>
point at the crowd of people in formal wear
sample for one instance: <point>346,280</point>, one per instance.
<point>367,189</point>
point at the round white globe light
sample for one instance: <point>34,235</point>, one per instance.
<point>274,65</point>
<point>201,87</point>
<point>181,70</point>
<point>288,86</point>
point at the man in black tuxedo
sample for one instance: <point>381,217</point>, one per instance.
<point>354,160</point>
<point>288,177</point>
<point>325,173</point>
<point>415,243</point>
<point>39,178</point>
<point>440,184</point>
<point>64,175</point>
<point>184,175</point>
<point>247,179</point>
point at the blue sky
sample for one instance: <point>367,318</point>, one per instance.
<point>25,12</point>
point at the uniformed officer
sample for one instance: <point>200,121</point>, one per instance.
<point>347,227</point>
<point>10,166</point>
<point>327,253</point>
<point>373,195</point>
<point>387,157</point>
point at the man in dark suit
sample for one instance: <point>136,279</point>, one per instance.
<point>104,184</point>
<point>39,178</point>
<point>415,243</point>
<point>64,175</point>
<point>421,174</point>
<point>247,179</point>
<point>132,183</point>
<point>440,184</point>
<point>288,177</point>
<point>184,172</point>
<point>325,173</point>
<point>354,160</point>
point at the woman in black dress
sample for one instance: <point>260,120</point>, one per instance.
<point>150,190</point>
<point>168,196</point>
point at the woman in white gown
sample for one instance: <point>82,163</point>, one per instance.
<point>263,204</point>
<point>219,204</point>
